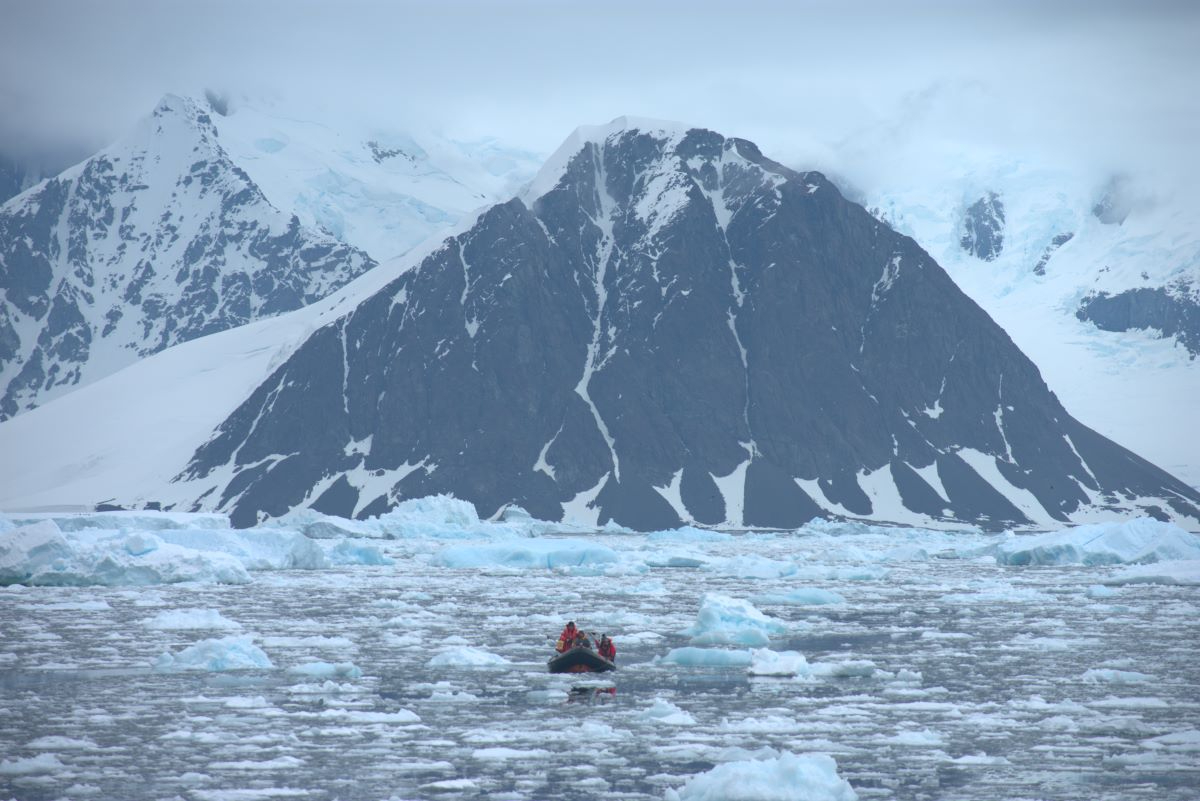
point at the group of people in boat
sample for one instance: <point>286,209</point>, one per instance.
<point>573,637</point>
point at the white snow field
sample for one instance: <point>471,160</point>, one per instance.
<point>149,656</point>
<point>1133,387</point>
<point>381,190</point>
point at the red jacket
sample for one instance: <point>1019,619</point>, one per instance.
<point>609,652</point>
<point>564,640</point>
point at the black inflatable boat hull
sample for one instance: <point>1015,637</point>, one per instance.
<point>579,660</point>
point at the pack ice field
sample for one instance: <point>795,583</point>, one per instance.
<point>147,656</point>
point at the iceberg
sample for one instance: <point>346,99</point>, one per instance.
<point>1139,541</point>
<point>226,653</point>
<point>127,521</point>
<point>105,549</point>
<point>255,548</point>
<point>356,552</point>
<point>42,554</point>
<point>730,621</point>
<point>789,777</point>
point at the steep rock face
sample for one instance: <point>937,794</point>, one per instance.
<point>1172,311</point>
<point>1057,242</point>
<point>983,227</point>
<point>156,240</point>
<point>669,326</point>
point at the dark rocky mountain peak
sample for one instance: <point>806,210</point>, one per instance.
<point>666,326</point>
<point>983,227</point>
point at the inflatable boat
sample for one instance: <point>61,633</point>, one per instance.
<point>579,660</point>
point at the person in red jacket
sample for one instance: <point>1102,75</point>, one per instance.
<point>606,648</point>
<point>567,638</point>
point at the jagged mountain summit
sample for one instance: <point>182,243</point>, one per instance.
<point>156,240</point>
<point>209,216</point>
<point>669,326</point>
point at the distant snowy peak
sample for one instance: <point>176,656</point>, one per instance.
<point>156,240</point>
<point>382,191</point>
<point>553,170</point>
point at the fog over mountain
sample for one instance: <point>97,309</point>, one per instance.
<point>870,93</point>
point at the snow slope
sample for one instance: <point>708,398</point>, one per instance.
<point>382,191</point>
<point>1137,387</point>
<point>156,411</point>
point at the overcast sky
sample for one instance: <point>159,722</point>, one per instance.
<point>866,89</point>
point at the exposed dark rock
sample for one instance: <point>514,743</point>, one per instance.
<point>983,227</point>
<point>1172,311</point>
<point>1057,242</point>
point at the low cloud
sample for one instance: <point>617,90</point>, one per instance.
<point>874,92</point>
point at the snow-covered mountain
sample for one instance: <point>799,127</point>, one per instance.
<point>382,191</point>
<point>205,218</point>
<point>156,240</point>
<point>1097,281</point>
<point>666,325</point>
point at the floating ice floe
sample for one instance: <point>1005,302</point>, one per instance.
<point>801,596</point>
<point>688,534</point>
<point>664,713</point>
<point>226,653</point>
<point>1185,572</point>
<point>1111,676</point>
<point>182,619</point>
<point>731,621</point>
<point>707,657</point>
<point>545,554</point>
<point>752,566</point>
<point>327,670</point>
<point>1138,541</point>
<point>42,763</point>
<point>467,657</point>
<point>912,737</point>
<point>765,662</point>
<point>789,777</point>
